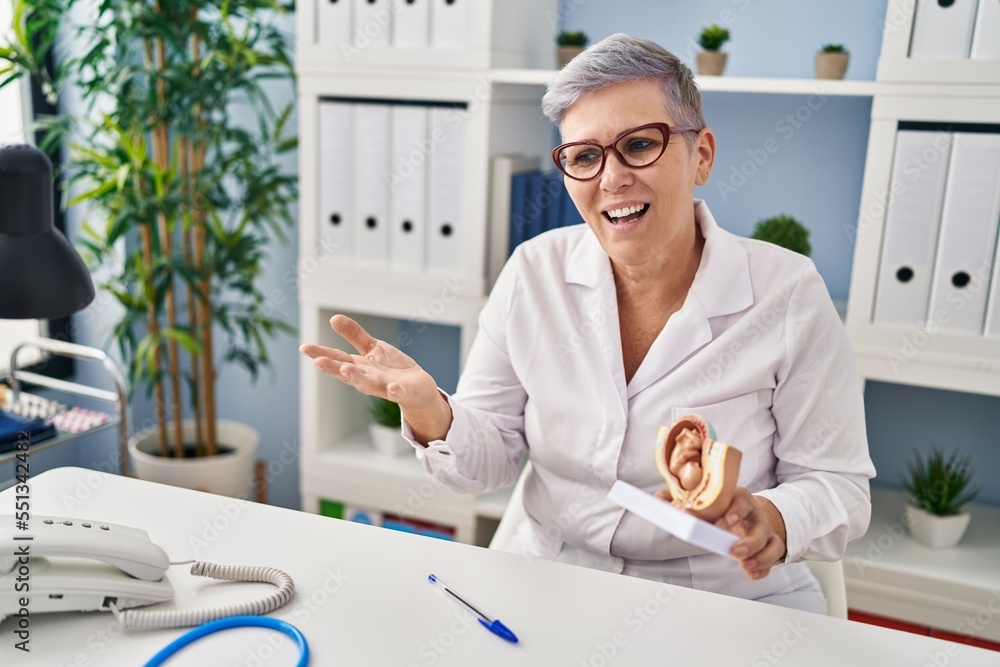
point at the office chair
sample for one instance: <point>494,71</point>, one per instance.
<point>830,575</point>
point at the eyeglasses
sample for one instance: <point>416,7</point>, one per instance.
<point>639,147</point>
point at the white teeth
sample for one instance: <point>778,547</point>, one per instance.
<point>622,212</point>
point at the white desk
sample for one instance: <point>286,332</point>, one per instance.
<point>363,599</point>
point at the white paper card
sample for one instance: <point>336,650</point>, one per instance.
<point>666,517</point>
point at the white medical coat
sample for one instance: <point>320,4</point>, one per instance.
<point>757,349</point>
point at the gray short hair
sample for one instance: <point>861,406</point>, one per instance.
<point>618,59</point>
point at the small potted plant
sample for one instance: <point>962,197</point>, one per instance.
<point>831,61</point>
<point>938,488</point>
<point>783,230</point>
<point>385,427</point>
<point>711,61</point>
<point>570,44</point>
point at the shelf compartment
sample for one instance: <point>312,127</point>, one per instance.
<point>889,574</point>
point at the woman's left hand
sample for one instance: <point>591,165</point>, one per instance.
<point>761,529</point>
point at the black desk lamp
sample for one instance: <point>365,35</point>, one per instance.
<point>41,274</point>
<point>43,277</point>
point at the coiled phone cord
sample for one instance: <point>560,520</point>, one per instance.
<point>145,618</point>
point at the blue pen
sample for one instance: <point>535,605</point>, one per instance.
<point>493,625</point>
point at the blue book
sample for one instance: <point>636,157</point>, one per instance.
<point>570,216</point>
<point>14,428</point>
<point>552,187</point>
<point>533,205</point>
<point>518,195</point>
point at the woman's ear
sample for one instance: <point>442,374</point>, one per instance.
<point>704,149</point>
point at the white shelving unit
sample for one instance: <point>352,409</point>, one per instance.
<point>338,462</point>
<point>918,90</point>
<point>891,575</point>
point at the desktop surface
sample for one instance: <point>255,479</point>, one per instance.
<point>363,598</point>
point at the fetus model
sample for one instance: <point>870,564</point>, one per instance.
<point>700,472</point>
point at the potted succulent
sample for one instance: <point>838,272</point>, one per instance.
<point>783,230</point>
<point>191,190</point>
<point>831,61</point>
<point>938,488</point>
<point>569,46</point>
<point>385,427</point>
<point>712,61</point>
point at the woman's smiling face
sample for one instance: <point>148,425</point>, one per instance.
<point>640,216</point>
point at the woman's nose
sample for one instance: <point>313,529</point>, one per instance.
<point>616,174</point>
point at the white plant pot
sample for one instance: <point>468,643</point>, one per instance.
<point>936,531</point>
<point>389,440</point>
<point>228,474</point>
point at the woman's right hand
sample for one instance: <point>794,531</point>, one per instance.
<point>379,369</point>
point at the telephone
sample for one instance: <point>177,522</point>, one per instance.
<point>76,565</point>
<point>65,564</point>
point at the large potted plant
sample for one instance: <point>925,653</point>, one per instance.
<point>166,167</point>
<point>939,486</point>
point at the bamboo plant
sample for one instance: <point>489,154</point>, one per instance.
<point>166,167</point>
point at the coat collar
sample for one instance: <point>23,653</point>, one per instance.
<point>721,285</point>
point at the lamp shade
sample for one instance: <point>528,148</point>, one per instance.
<point>41,274</point>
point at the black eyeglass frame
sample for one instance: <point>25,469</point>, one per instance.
<point>663,127</point>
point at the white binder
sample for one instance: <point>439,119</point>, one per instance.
<point>968,233</point>
<point>986,38</point>
<point>450,24</point>
<point>334,22</point>
<point>942,28</point>
<point>911,228</point>
<point>336,187</point>
<point>372,23</point>
<point>411,25</point>
<point>444,229</point>
<point>992,327</point>
<point>408,188</point>
<point>370,224</point>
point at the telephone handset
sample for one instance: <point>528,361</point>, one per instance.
<point>78,565</point>
<point>81,565</point>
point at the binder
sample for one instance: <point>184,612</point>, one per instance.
<point>372,23</point>
<point>444,229</point>
<point>968,233</point>
<point>911,227</point>
<point>552,186</point>
<point>334,22</point>
<point>370,224</point>
<point>992,327</point>
<point>336,187</point>
<point>505,169</point>
<point>986,37</point>
<point>407,187</point>
<point>450,24</point>
<point>411,25</point>
<point>942,28</point>
<point>518,200</point>
<point>532,207</point>
<point>569,214</point>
